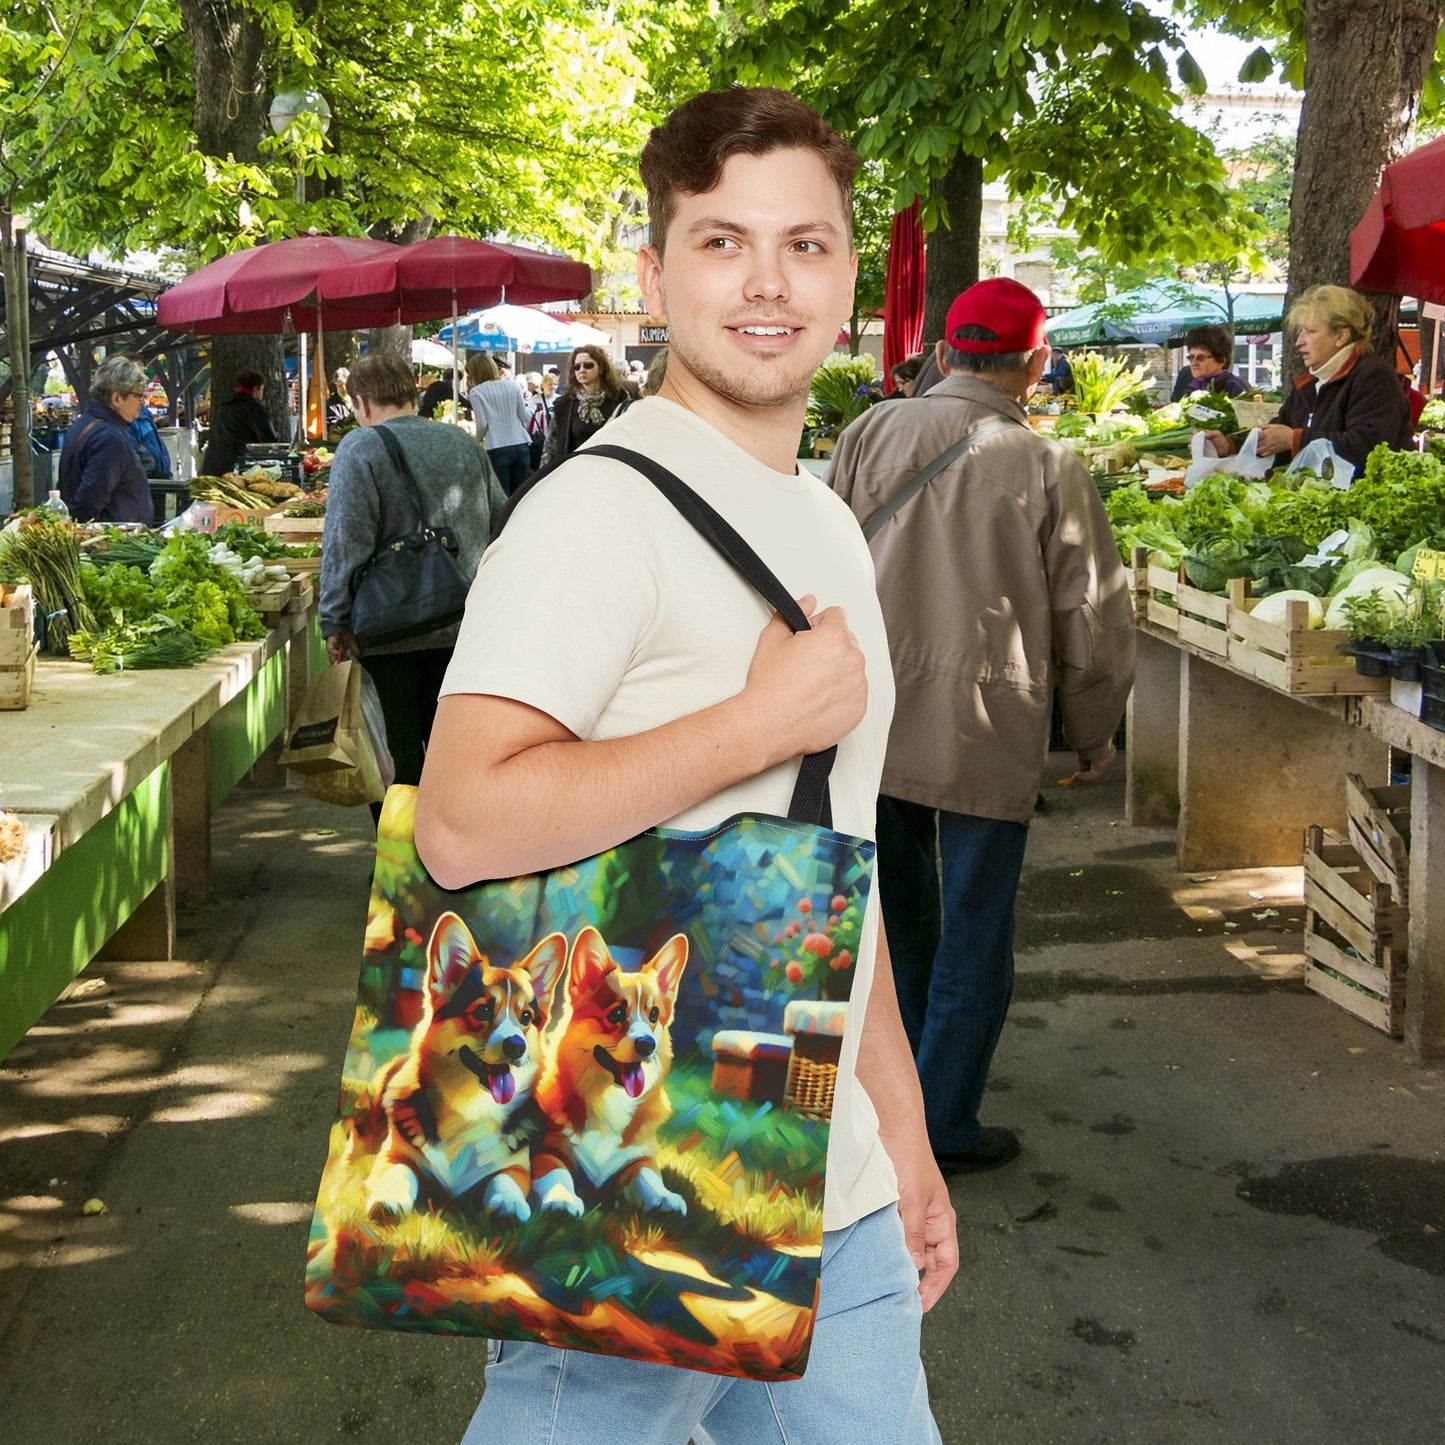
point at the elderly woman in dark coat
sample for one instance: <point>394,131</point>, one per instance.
<point>102,478</point>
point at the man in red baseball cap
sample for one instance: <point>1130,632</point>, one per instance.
<point>999,581</point>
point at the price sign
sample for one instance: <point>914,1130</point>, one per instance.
<point>1428,565</point>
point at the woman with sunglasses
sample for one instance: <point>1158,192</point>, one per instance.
<point>592,395</point>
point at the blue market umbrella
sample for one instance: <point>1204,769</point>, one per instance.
<point>520,328</point>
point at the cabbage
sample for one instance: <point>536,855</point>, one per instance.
<point>1273,608</point>
<point>1390,586</point>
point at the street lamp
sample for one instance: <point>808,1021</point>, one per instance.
<point>287,108</point>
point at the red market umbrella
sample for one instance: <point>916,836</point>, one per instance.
<point>903,293</point>
<point>263,287</point>
<point>451,274</point>
<point>447,275</point>
<point>1399,245</point>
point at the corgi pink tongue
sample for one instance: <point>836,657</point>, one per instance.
<point>503,1083</point>
<point>632,1079</point>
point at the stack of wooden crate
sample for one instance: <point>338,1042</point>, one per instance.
<point>1357,913</point>
<point>17,647</point>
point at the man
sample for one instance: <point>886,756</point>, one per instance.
<point>444,388</point>
<point>1059,378</point>
<point>998,579</point>
<point>673,696</point>
<point>235,423</point>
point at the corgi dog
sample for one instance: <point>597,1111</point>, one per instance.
<point>601,1089</point>
<point>452,1112</point>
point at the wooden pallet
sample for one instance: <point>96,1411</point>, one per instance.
<point>1379,820</point>
<point>1355,934</point>
<point>1293,658</point>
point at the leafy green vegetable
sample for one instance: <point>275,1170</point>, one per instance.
<point>1210,410</point>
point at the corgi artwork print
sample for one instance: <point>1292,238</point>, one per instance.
<point>591,1107</point>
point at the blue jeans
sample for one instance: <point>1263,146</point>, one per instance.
<point>952,950</point>
<point>864,1383</point>
<point>511,464</point>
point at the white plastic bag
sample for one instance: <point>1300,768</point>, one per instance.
<point>1246,462</point>
<point>1320,456</point>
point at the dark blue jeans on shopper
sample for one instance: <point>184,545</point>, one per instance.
<point>952,950</point>
<point>512,465</point>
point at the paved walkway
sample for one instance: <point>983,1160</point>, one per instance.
<point>1228,1222</point>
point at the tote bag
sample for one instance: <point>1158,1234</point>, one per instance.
<point>412,584</point>
<point>590,1107</point>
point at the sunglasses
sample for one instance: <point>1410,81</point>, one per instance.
<point>1200,356</point>
<point>585,366</point>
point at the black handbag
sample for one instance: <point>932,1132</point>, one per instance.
<point>413,583</point>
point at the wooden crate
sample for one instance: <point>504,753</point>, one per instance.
<point>1295,658</point>
<point>271,601</point>
<point>251,516</point>
<point>295,529</point>
<point>1355,934</point>
<point>17,625</point>
<point>1379,820</point>
<point>17,681</point>
<point>309,565</point>
<point>1200,618</point>
<point>1255,413</point>
<point>300,595</point>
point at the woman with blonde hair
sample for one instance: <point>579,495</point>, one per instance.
<point>1348,397</point>
<point>592,395</point>
<point>501,418</point>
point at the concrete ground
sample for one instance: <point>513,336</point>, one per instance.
<point>1228,1222</point>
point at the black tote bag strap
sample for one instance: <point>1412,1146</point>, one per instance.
<point>811,802</point>
<point>399,461</point>
<point>915,484</point>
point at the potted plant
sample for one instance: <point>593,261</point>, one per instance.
<point>1369,618</point>
<point>1407,636</point>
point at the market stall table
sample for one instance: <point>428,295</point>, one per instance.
<point>116,778</point>
<point>1243,769</point>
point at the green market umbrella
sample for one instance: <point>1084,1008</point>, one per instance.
<point>1161,311</point>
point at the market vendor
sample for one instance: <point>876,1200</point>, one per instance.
<point>1347,397</point>
<point>1209,351</point>
<point>235,423</point>
<point>101,475</point>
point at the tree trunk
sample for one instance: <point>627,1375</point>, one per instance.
<point>14,264</point>
<point>954,249</point>
<point>1364,67</point>
<point>229,116</point>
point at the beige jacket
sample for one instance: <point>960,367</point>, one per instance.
<point>998,579</point>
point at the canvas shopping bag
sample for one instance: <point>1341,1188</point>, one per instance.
<point>325,735</point>
<point>590,1107</point>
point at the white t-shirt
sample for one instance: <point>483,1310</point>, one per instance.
<point>603,608</point>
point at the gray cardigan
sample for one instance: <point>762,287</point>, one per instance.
<point>370,503</point>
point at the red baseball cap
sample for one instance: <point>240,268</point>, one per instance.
<point>1005,307</point>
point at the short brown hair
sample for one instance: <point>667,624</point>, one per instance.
<point>686,154</point>
<point>1216,340</point>
<point>382,378</point>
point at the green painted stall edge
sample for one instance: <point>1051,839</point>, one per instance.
<point>245,727</point>
<point>54,929</point>
<point>44,940</point>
